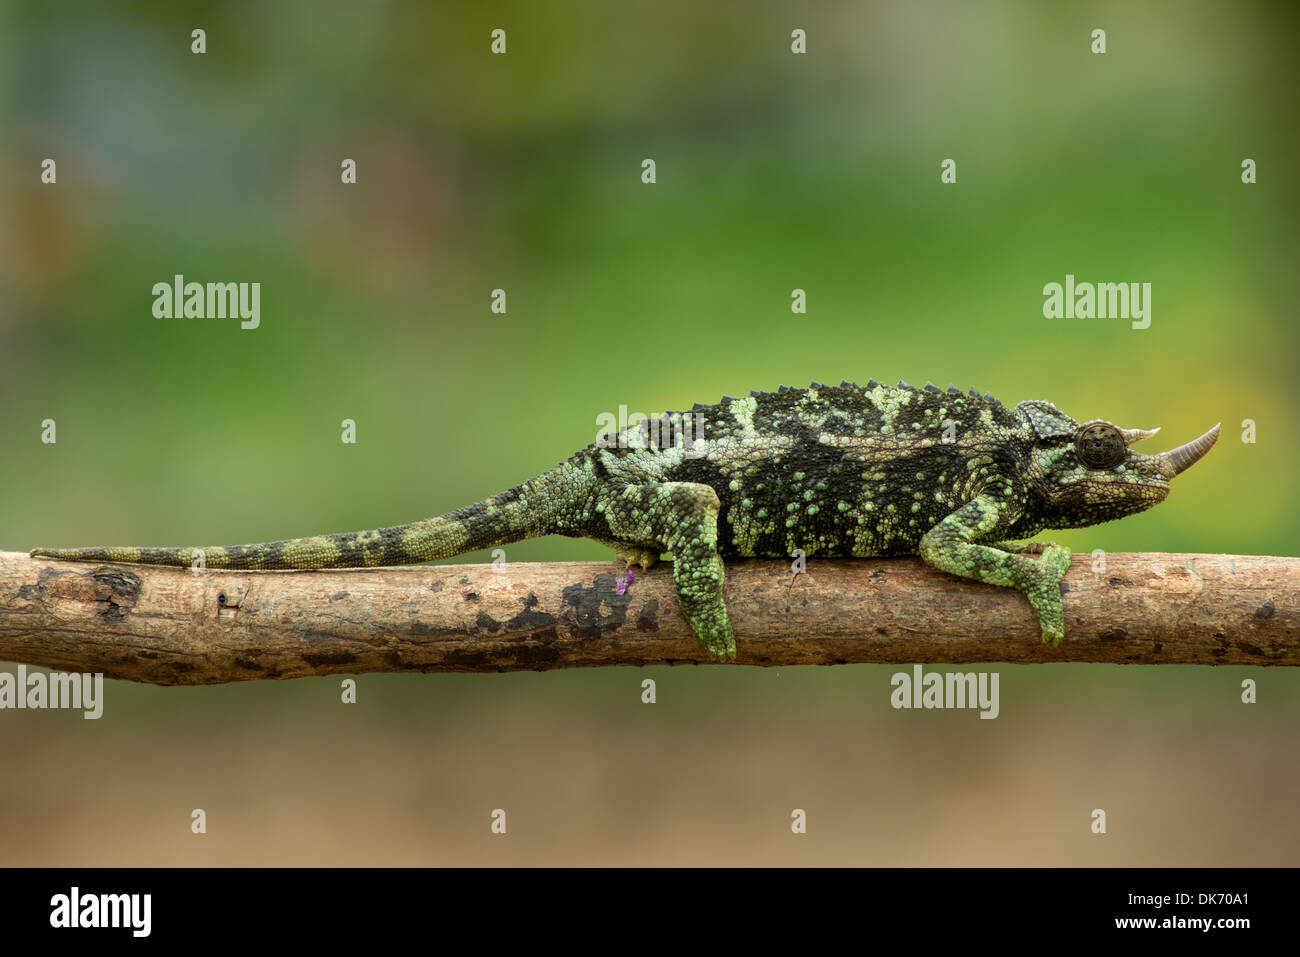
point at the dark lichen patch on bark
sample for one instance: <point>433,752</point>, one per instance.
<point>528,624</point>
<point>419,629</point>
<point>542,654</point>
<point>582,607</point>
<point>338,658</point>
<point>121,589</point>
<point>468,660</point>
<point>536,624</point>
<point>648,620</point>
<point>116,589</point>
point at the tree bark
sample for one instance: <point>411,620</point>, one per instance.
<point>177,627</point>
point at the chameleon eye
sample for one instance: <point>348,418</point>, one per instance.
<point>1100,446</point>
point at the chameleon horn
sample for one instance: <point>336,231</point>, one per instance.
<point>1185,456</point>
<point>1137,435</point>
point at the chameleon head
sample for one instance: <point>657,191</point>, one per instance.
<point>1089,473</point>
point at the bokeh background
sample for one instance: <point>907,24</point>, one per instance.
<point>775,171</point>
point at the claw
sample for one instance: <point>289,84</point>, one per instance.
<point>644,557</point>
<point>720,646</point>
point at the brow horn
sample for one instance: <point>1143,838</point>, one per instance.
<point>1185,456</point>
<point>1137,435</point>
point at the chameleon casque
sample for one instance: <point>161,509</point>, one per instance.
<point>837,471</point>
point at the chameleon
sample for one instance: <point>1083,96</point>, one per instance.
<point>958,479</point>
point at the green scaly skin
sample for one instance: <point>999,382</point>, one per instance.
<point>835,471</point>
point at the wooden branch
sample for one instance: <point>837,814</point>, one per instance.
<point>175,627</point>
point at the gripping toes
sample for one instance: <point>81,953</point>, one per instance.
<point>719,642</point>
<point>636,555</point>
<point>699,590</point>
<point>681,518</point>
<point>1044,591</point>
<point>954,545</point>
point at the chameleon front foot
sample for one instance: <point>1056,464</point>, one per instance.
<point>1044,591</point>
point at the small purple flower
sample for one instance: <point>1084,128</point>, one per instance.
<point>622,586</point>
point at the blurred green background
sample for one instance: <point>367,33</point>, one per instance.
<point>523,172</point>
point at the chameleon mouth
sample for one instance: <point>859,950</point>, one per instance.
<point>1111,490</point>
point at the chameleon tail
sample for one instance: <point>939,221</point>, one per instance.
<point>526,511</point>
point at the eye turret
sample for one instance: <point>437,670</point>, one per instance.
<point>1100,446</point>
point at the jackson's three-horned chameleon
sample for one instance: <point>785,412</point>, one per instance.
<point>836,471</point>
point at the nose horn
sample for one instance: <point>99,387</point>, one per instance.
<point>1185,456</point>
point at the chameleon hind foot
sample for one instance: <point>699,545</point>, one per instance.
<point>636,555</point>
<point>699,579</point>
<point>680,518</point>
<point>719,641</point>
